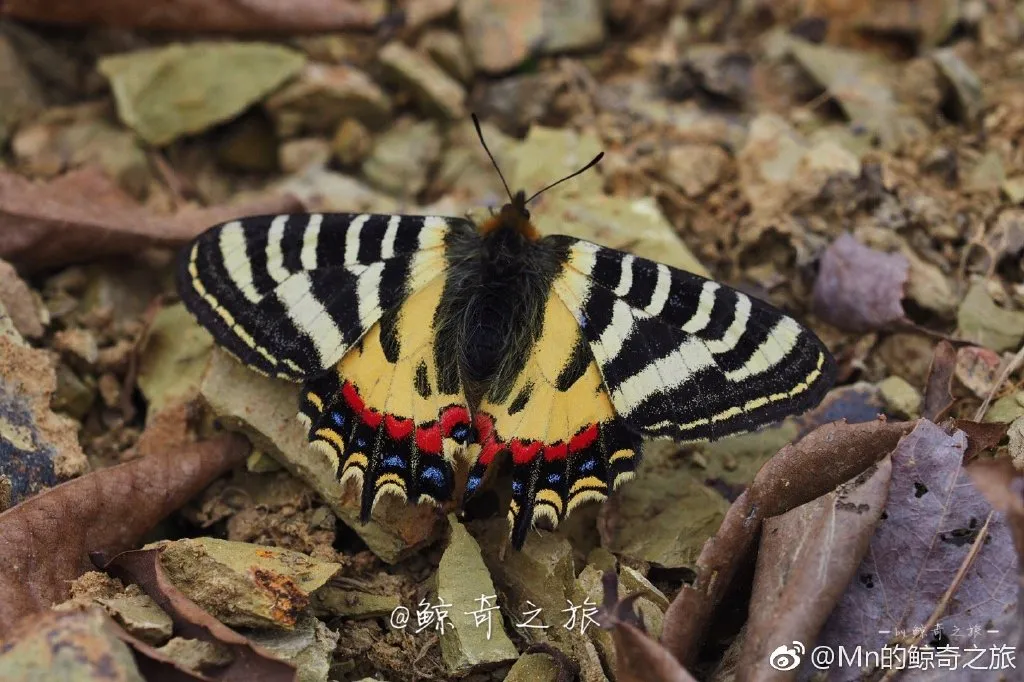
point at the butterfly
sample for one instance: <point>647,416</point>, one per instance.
<point>430,345</point>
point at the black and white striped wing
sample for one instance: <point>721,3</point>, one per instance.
<point>288,295</point>
<point>686,358</point>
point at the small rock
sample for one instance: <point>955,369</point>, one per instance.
<point>977,369</point>
<point>74,395</point>
<point>68,645</point>
<point>18,302</point>
<point>324,95</point>
<point>516,102</point>
<point>77,345</point>
<point>695,168</point>
<point>296,156</point>
<point>173,357</point>
<point>501,35</point>
<point>720,70</point>
<point>635,225</point>
<point>168,92</point>
<point>534,668</point>
<point>1013,188</point>
<point>20,95</point>
<point>331,601</point>
<point>928,287</point>
<point>968,97</point>
<point>987,175</point>
<point>248,145</point>
<point>198,655</point>
<point>352,143</point>
<point>421,12</point>
<point>437,93</point>
<point>900,397</point>
<point>139,615</point>
<point>465,168</point>
<point>1006,409</point>
<point>980,320</point>
<point>109,387</point>
<point>309,647</point>
<point>38,448</point>
<point>403,157</point>
<point>449,52</point>
<point>322,190</point>
<point>6,492</point>
<point>396,529</point>
<point>548,154</point>
<point>67,138</point>
<point>462,578</point>
<point>243,584</point>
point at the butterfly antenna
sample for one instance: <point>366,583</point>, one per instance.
<point>480,134</point>
<point>590,165</point>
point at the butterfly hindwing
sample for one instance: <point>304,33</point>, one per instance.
<point>392,411</point>
<point>289,294</point>
<point>684,357</point>
<point>557,422</point>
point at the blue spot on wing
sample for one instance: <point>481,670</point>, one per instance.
<point>554,479</point>
<point>472,483</point>
<point>338,418</point>
<point>517,487</point>
<point>395,461</point>
<point>588,466</point>
<point>434,475</point>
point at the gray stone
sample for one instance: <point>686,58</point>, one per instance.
<point>323,95</point>
<point>403,156</point>
<point>309,647</point>
<point>462,580</point>
<point>437,93</point>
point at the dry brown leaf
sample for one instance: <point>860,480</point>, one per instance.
<point>45,541</point>
<point>198,15</point>
<point>859,289</point>
<point>807,557</point>
<point>981,436</point>
<point>83,215</point>
<point>638,658</point>
<point>250,662</point>
<point>938,395</point>
<point>823,459</point>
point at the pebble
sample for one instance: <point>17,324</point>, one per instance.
<point>695,168</point>
<point>501,35</point>
<point>352,143</point>
<point>403,157</point>
<point>449,52</point>
<point>323,95</point>
<point>437,93</point>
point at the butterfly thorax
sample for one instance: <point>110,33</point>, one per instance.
<point>513,217</point>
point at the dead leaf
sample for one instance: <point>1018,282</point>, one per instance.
<point>251,662</point>
<point>45,541</point>
<point>859,289</point>
<point>83,215</point>
<point>16,299</point>
<point>981,436</point>
<point>977,368</point>
<point>929,528</point>
<point>1003,486</point>
<point>200,15</point>
<point>638,658</point>
<point>806,559</point>
<point>938,395</point>
<point>828,456</point>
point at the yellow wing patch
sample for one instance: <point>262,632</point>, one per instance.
<point>558,423</point>
<point>392,415</point>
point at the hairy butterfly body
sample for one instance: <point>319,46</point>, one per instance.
<point>427,342</point>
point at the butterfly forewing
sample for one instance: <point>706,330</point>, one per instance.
<point>289,294</point>
<point>684,357</point>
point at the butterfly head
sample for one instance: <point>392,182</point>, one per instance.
<point>514,217</point>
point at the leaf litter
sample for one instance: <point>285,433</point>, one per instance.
<point>862,173</point>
